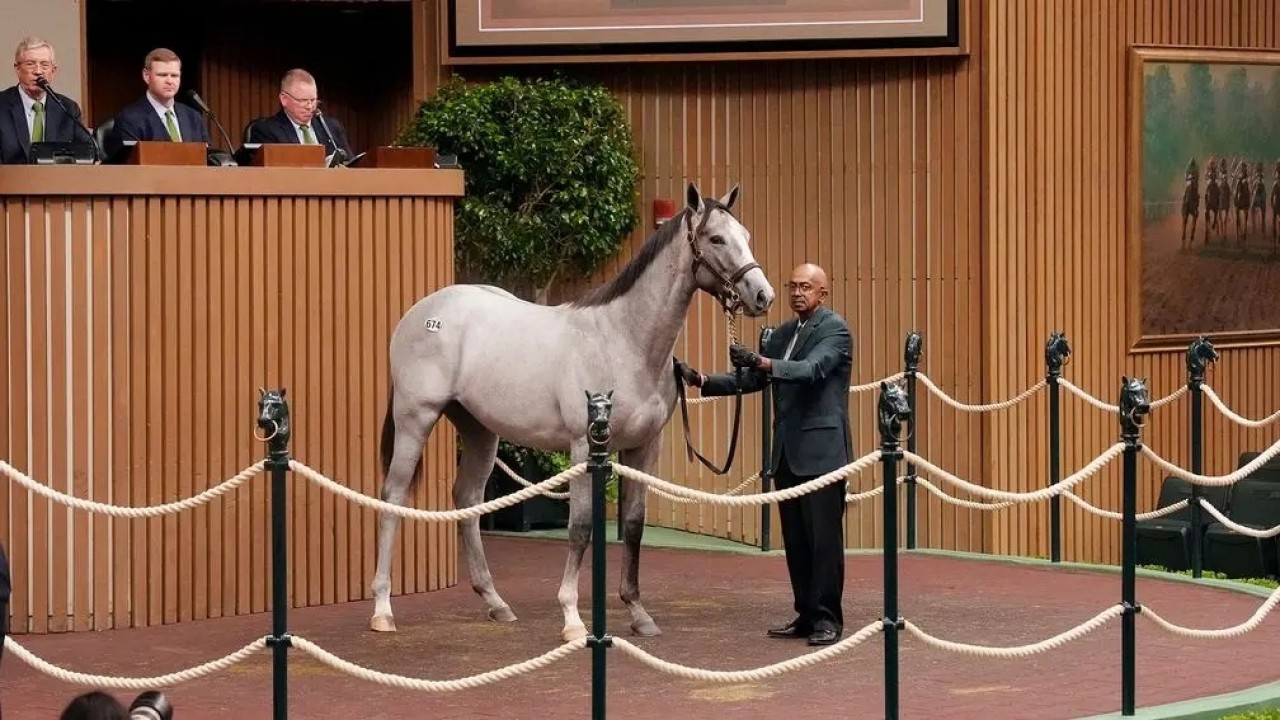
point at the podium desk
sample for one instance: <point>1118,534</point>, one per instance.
<point>142,308</point>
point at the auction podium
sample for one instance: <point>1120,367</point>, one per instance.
<point>163,152</point>
<point>391,156</point>
<point>285,155</point>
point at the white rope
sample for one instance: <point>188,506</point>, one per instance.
<point>1166,510</point>
<point>1087,397</point>
<point>466,513</point>
<point>972,505</point>
<point>1233,631</point>
<point>1169,398</point>
<point>980,408</point>
<point>407,683</point>
<point>132,512</point>
<point>1232,524</point>
<point>1042,494</point>
<point>689,501</point>
<point>526,483</point>
<point>123,683</point>
<point>760,673</point>
<point>754,499</point>
<point>1074,633</point>
<point>1240,419</point>
<point>1215,480</point>
<point>868,494</point>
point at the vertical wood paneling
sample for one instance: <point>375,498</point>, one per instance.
<point>138,331</point>
<point>1065,137</point>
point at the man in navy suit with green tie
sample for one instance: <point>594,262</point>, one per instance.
<point>807,362</point>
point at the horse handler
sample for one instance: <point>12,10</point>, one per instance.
<point>807,362</point>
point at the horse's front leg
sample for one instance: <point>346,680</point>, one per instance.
<point>579,537</point>
<point>631,497</point>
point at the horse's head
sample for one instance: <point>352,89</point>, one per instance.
<point>1056,351</point>
<point>1134,404</point>
<point>1199,355</point>
<point>893,408</point>
<point>723,265</point>
<point>599,408</point>
<point>273,413</point>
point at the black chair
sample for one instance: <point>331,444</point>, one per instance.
<point>1166,541</point>
<point>1270,470</point>
<point>1255,503</point>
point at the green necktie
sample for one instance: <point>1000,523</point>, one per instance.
<point>307,137</point>
<point>37,126</point>
<point>173,126</point>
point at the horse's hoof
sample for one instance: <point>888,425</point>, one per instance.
<point>382,623</point>
<point>502,614</point>
<point>573,632</point>
<point>645,628</point>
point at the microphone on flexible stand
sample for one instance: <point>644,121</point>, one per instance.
<point>48,91</point>
<point>339,156</point>
<point>204,107</point>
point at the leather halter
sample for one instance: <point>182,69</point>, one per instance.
<point>727,293</point>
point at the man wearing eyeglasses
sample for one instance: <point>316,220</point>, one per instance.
<point>27,114</point>
<point>807,363</point>
<point>299,118</point>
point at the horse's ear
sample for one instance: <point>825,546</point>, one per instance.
<point>261,392</point>
<point>588,394</point>
<point>730,198</point>
<point>1124,379</point>
<point>693,199</point>
<point>609,395</point>
<point>884,386</point>
<point>283,390</point>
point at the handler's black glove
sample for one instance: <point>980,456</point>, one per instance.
<point>740,356</point>
<point>688,374</point>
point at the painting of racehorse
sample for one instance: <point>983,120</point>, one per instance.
<point>1205,196</point>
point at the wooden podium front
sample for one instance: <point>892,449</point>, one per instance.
<point>286,155</point>
<point>161,152</point>
<point>391,156</point>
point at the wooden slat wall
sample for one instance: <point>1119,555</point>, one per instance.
<point>1055,152</point>
<point>870,168</point>
<point>137,331</point>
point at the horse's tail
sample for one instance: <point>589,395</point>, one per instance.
<point>388,434</point>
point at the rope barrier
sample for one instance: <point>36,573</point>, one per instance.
<point>1215,480</point>
<point>1074,633</point>
<point>1076,478</point>
<point>122,683</point>
<point>1239,419</point>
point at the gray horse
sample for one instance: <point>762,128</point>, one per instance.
<point>498,366</point>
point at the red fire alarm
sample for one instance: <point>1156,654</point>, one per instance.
<point>663,210</point>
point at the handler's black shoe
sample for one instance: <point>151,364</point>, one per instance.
<point>825,636</point>
<point>793,629</point>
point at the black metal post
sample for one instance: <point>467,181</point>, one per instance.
<point>273,418</point>
<point>599,408</point>
<point>893,409</point>
<point>766,451</point>
<point>1199,354</point>
<point>1133,408</point>
<point>1055,351</point>
<point>912,349</point>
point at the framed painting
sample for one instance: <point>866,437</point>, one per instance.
<point>510,31</point>
<point>1204,197</point>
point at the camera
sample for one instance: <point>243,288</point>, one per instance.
<point>151,705</point>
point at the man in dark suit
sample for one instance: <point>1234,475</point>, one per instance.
<point>156,115</point>
<point>296,122</point>
<point>27,114</point>
<point>807,362</point>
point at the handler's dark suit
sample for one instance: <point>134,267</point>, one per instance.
<point>812,436</point>
<point>279,128</point>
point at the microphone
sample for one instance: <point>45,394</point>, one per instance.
<point>339,156</point>
<point>48,91</point>
<point>204,107</point>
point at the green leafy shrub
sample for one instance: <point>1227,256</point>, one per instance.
<point>551,176</point>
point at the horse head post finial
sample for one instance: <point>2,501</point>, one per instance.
<point>1056,351</point>
<point>273,418</point>
<point>1199,354</point>
<point>1134,406</point>
<point>599,408</point>
<point>893,410</point>
<point>912,349</point>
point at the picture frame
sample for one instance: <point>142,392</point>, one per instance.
<point>1198,265</point>
<point>479,32</point>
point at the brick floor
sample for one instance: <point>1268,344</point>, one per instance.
<point>713,608</point>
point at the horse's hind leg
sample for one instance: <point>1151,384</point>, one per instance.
<point>579,536</point>
<point>479,448</point>
<point>631,500</point>
<point>410,427</point>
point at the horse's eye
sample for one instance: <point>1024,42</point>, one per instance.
<point>717,239</point>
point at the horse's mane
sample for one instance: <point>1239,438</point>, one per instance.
<point>620,284</point>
